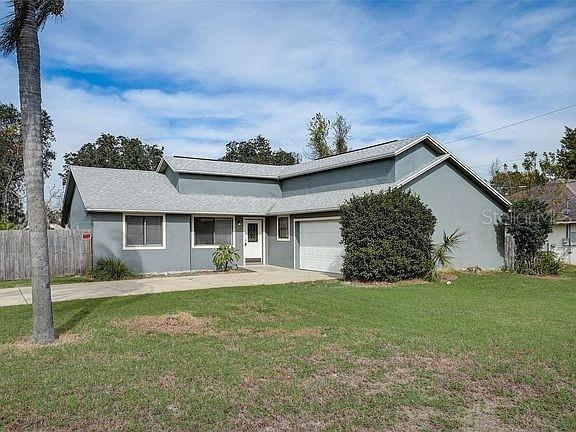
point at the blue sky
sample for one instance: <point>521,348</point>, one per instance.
<point>191,76</point>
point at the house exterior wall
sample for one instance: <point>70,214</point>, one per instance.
<point>108,241</point>
<point>280,253</point>
<point>412,159</point>
<point>457,202</point>
<point>283,253</point>
<point>365,174</point>
<point>224,185</point>
<point>555,242</point>
<point>172,176</point>
<point>79,218</point>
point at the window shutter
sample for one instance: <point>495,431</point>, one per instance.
<point>223,231</point>
<point>154,231</point>
<point>134,231</point>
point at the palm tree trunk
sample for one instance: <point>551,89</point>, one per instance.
<point>28,54</point>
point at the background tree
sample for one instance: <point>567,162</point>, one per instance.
<point>20,35</point>
<point>566,156</point>
<point>12,160</point>
<point>341,129</point>
<point>110,151</point>
<point>510,181</point>
<point>529,222</point>
<point>258,150</point>
<point>318,130</point>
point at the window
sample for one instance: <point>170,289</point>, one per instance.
<point>572,229</point>
<point>212,231</point>
<point>143,231</point>
<point>283,228</point>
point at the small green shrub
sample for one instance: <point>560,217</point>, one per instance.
<point>110,268</point>
<point>7,225</point>
<point>387,236</point>
<point>547,263</point>
<point>225,257</point>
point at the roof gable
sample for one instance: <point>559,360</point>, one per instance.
<point>182,164</point>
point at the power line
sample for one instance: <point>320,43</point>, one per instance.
<point>502,162</point>
<point>514,124</point>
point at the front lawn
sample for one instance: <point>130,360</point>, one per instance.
<point>488,352</point>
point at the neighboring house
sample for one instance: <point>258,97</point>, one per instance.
<point>172,219</point>
<point>560,196</point>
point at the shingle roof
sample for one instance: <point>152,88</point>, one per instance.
<point>105,189</point>
<point>115,190</point>
<point>559,195</point>
<point>207,166</point>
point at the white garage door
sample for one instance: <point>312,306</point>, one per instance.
<point>320,247</point>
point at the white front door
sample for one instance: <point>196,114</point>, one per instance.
<point>253,241</point>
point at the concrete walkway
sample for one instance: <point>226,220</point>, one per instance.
<point>261,275</point>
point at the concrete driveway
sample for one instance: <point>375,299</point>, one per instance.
<point>260,275</point>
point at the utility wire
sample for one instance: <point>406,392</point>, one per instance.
<point>514,124</point>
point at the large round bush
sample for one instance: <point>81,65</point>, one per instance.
<point>387,236</point>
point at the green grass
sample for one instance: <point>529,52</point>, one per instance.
<point>488,352</point>
<point>55,280</point>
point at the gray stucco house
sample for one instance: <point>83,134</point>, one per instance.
<point>172,219</point>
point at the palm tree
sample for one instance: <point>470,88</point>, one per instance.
<point>20,34</point>
<point>442,253</point>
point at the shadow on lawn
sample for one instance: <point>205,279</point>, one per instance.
<point>88,307</point>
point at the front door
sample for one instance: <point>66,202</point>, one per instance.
<point>253,241</point>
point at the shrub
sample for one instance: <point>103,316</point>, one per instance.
<point>547,263</point>
<point>225,257</point>
<point>443,253</point>
<point>529,222</point>
<point>387,236</point>
<point>110,268</point>
<point>7,225</point>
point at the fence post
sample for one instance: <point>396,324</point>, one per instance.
<point>509,252</point>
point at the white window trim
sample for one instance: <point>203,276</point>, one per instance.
<point>214,246</point>
<point>126,247</point>
<point>278,228</point>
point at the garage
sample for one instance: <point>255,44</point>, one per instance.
<point>320,248</point>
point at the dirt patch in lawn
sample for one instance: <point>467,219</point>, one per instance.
<point>26,344</point>
<point>171,324</point>
<point>388,284</point>
<point>434,378</point>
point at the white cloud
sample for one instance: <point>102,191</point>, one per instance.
<point>192,76</point>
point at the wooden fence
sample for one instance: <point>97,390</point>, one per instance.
<point>509,252</point>
<point>69,253</point>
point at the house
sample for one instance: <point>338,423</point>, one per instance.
<point>172,219</point>
<point>560,195</point>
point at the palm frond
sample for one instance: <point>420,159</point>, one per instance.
<point>13,23</point>
<point>454,239</point>
<point>442,254</point>
<point>11,27</point>
<point>47,8</point>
